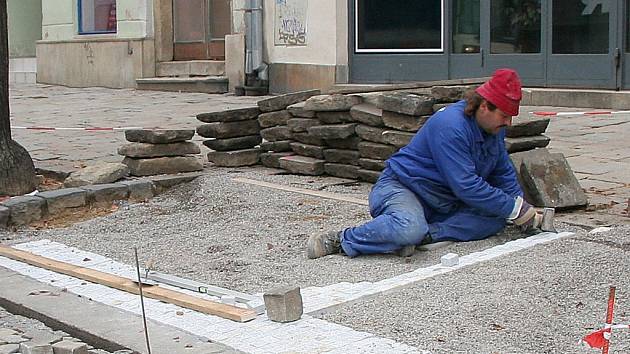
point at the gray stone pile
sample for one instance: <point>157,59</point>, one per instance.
<point>233,136</point>
<point>155,152</point>
<point>526,134</point>
<point>277,133</point>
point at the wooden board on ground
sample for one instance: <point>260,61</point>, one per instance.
<point>302,191</point>
<point>170,296</point>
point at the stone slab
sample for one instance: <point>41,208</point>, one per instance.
<point>277,133</point>
<point>25,209</point>
<point>238,143</point>
<point>450,93</point>
<point>348,157</point>
<point>61,199</point>
<point>164,136</point>
<point>406,103</point>
<point>9,348</point>
<point>221,130</point>
<point>308,150</point>
<point>70,347</point>
<point>144,150</point>
<point>276,146</point>
<point>297,110</point>
<point>246,157</point>
<point>404,122</point>
<point>101,172</point>
<point>549,180</point>
<point>106,193</point>
<point>334,117</point>
<point>140,190</point>
<point>342,170</point>
<point>340,131</point>
<point>368,114</point>
<point>368,175</point>
<point>162,165</point>
<point>307,138</point>
<point>376,151</point>
<point>526,143</point>
<point>231,115</point>
<point>284,304</point>
<point>529,126</point>
<point>397,138</point>
<point>272,159</point>
<point>271,119</point>
<point>165,182</point>
<point>302,165</point>
<point>283,101</point>
<point>372,164</point>
<point>369,133</point>
<point>335,102</point>
<point>298,125</point>
<point>35,348</point>
<point>349,143</point>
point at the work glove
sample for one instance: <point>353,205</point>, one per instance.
<point>526,217</point>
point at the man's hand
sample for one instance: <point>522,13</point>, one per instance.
<point>526,218</point>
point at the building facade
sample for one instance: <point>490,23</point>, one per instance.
<point>25,29</point>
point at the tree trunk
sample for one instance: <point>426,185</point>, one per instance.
<point>17,173</point>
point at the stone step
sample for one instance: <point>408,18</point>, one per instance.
<point>205,84</point>
<point>190,68</point>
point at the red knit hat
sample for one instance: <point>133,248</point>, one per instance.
<point>503,90</point>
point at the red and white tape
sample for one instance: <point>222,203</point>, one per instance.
<point>92,129</point>
<point>592,113</point>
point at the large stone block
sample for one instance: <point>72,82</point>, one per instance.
<point>278,133</point>
<point>371,164</point>
<point>238,143</point>
<point>367,114</point>
<point>297,110</point>
<point>302,165</point>
<point>307,138</point>
<point>349,143</point>
<point>284,304</point>
<point>229,130</point>
<point>373,134</point>
<point>526,143</point>
<point>342,170</point>
<point>348,157</point>
<point>340,131</point>
<point>334,117</point>
<point>140,190</point>
<point>162,165</point>
<point>283,101</point>
<point>276,146</point>
<point>334,102</point>
<point>450,93</point>
<point>70,347</point>
<point>5,214</point>
<point>235,158</point>
<point>298,125</point>
<point>272,159</point>
<point>403,121</point>
<point>406,103</point>
<point>106,193</point>
<point>61,199</point>
<point>549,180</point>
<point>397,138</point>
<point>102,172</point>
<point>368,175</point>
<point>271,119</point>
<point>527,127</point>
<point>376,151</point>
<point>144,150</point>
<point>165,136</point>
<point>308,150</point>
<point>231,115</point>
<point>25,209</point>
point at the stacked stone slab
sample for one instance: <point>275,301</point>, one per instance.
<point>526,134</point>
<point>274,123</point>
<point>233,136</point>
<point>155,152</point>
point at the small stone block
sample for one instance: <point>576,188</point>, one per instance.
<point>25,209</point>
<point>309,139</point>
<point>308,150</point>
<point>349,143</point>
<point>376,151</point>
<point>404,122</point>
<point>397,138</point>
<point>283,101</point>
<point>232,115</point>
<point>272,119</point>
<point>449,260</point>
<point>284,304</point>
<point>301,124</point>
<point>342,170</point>
<point>302,165</point>
<point>32,348</point>
<point>277,133</point>
<point>158,136</point>
<point>60,199</point>
<point>222,130</point>
<point>526,143</point>
<point>272,159</point>
<point>450,93</point>
<point>367,114</point>
<point>140,190</point>
<point>5,213</point>
<point>297,110</point>
<point>348,157</point>
<point>165,182</point>
<point>340,131</point>
<point>234,158</point>
<point>406,103</point>
<point>106,193</point>
<point>162,165</point>
<point>336,102</point>
<point>527,127</point>
<point>368,175</point>
<point>144,150</point>
<point>370,164</point>
<point>9,348</point>
<point>334,117</point>
<point>69,347</point>
<point>369,133</point>
<point>276,146</point>
<point>238,143</point>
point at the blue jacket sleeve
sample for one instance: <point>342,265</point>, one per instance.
<point>504,176</point>
<point>452,153</point>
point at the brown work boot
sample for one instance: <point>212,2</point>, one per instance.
<point>323,244</point>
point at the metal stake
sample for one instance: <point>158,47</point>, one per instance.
<point>144,316</point>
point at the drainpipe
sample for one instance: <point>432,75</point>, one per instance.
<point>255,68</point>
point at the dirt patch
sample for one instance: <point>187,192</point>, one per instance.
<point>71,216</point>
<point>48,184</point>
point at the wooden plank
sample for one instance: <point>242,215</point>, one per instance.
<point>302,191</point>
<point>155,292</point>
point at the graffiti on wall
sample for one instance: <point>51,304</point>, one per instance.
<point>290,22</point>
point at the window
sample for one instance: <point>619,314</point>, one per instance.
<point>97,16</point>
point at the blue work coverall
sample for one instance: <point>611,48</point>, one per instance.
<point>453,182</point>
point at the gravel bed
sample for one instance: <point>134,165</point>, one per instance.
<point>241,236</point>
<point>539,300</point>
